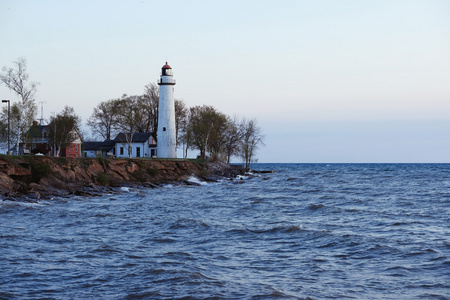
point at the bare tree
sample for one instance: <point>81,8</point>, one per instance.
<point>233,135</point>
<point>129,119</point>
<point>206,130</point>
<point>218,137</point>
<point>103,119</point>
<point>16,79</point>
<point>252,138</point>
<point>63,129</point>
<point>29,114</point>
<point>150,100</point>
<point>181,113</point>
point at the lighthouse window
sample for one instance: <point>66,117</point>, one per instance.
<point>164,128</point>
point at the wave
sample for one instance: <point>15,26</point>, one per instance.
<point>107,249</point>
<point>23,203</point>
<point>315,206</point>
<point>188,223</point>
<point>162,240</point>
<point>258,240</point>
<point>277,229</point>
<point>195,180</point>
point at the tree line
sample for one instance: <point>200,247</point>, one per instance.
<point>214,134</point>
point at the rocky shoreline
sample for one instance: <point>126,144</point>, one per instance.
<point>43,176</point>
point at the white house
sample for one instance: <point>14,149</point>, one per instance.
<point>143,144</point>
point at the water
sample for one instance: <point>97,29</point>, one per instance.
<point>308,231</point>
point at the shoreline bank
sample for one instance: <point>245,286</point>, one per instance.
<point>41,176</point>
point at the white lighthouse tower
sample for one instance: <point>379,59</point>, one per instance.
<point>166,135</point>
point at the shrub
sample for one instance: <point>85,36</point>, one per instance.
<point>102,179</point>
<point>204,173</point>
<point>152,171</point>
<point>40,170</point>
<point>61,161</point>
<point>84,162</point>
<point>103,161</point>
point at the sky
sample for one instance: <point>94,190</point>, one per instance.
<point>328,81</point>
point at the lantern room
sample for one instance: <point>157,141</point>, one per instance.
<point>166,70</point>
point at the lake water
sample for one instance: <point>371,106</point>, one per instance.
<point>307,231</point>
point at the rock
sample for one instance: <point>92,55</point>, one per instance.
<point>95,168</point>
<point>187,182</point>
<point>132,167</point>
<point>211,178</point>
<point>119,172</point>
<point>263,172</point>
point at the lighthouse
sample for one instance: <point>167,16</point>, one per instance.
<point>166,135</point>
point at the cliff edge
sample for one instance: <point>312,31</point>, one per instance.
<point>43,175</point>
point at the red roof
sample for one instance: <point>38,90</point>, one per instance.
<point>166,66</point>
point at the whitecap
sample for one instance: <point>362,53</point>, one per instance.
<point>196,180</point>
<point>25,203</point>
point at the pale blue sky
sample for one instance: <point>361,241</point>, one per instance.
<point>328,80</point>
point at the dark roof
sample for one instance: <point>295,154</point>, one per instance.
<point>36,130</point>
<point>138,137</point>
<point>92,145</point>
<point>166,66</point>
<point>107,145</point>
<point>104,146</point>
